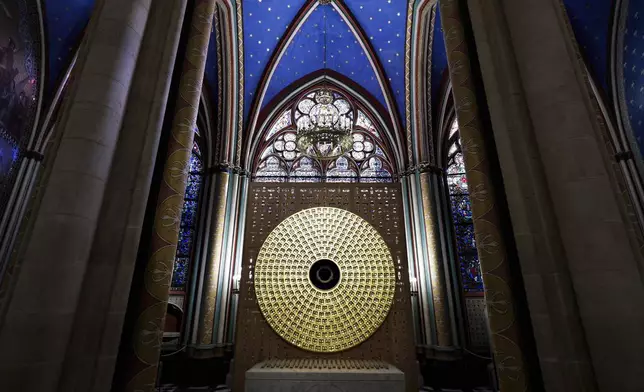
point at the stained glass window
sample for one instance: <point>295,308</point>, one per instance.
<point>461,208</point>
<point>279,159</point>
<point>187,232</point>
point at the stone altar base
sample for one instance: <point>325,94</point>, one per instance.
<point>320,375</point>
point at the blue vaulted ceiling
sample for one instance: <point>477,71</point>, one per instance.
<point>305,54</point>
<point>633,58</point>
<point>439,62</point>
<point>65,21</point>
<point>265,22</point>
<point>212,72</point>
<point>591,21</point>
<point>382,22</point>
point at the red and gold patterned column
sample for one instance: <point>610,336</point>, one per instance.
<point>509,353</point>
<point>142,366</point>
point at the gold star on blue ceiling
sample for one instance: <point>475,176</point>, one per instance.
<point>439,62</point>
<point>305,54</point>
<point>633,53</point>
<point>65,23</point>
<point>384,23</point>
<point>265,22</point>
<point>591,22</point>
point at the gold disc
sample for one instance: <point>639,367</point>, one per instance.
<point>325,279</point>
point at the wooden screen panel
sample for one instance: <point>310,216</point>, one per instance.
<point>378,204</point>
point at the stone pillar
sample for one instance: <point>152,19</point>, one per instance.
<point>244,184</point>
<point>431,282</point>
<point>151,304</point>
<point>419,268</point>
<point>37,326</point>
<point>213,267</point>
<point>442,314</point>
<point>436,307</point>
<point>230,255</point>
<point>500,289</point>
<point>582,275</point>
<point>94,345</point>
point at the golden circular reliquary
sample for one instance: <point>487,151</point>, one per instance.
<point>325,279</point>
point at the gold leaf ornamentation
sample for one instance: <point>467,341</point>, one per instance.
<point>325,320</point>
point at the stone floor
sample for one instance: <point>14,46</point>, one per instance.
<point>223,388</point>
<point>427,389</point>
<point>171,388</point>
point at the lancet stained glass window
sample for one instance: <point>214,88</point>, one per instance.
<point>280,160</point>
<point>187,232</point>
<point>461,208</point>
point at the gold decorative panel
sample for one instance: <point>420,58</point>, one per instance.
<point>269,205</point>
<point>333,307</point>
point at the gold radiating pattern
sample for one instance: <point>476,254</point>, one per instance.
<point>336,319</point>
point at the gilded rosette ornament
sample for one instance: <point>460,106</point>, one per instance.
<point>325,280</point>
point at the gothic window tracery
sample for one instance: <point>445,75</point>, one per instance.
<point>279,159</point>
<point>189,218</point>
<point>461,208</point>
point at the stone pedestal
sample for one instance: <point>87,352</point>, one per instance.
<point>319,375</point>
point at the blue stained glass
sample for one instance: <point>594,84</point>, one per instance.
<point>461,206</point>
<point>457,166</point>
<point>471,273</point>
<point>188,219</point>
<point>196,149</point>
<point>457,184</point>
<point>465,241</point>
<point>461,209</point>
<point>189,215</point>
<point>194,187</point>
<point>195,164</point>
<point>185,242</point>
<point>9,154</point>
<point>180,272</point>
<point>282,161</point>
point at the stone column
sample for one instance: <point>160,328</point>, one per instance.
<point>224,302</point>
<point>94,345</point>
<point>436,315</point>
<point>582,273</point>
<point>500,289</point>
<point>151,304</point>
<point>419,267</point>
<point>37,326</point>
<point>244,183</point>
<point>432,281</point>
<point>442,314</point>
<point>213,267</point>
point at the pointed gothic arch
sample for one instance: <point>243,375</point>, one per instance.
<point>278,158</point>
<point>367,111</point>
<point>253,122</point>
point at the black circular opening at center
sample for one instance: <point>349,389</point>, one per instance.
<point>324,274</point>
